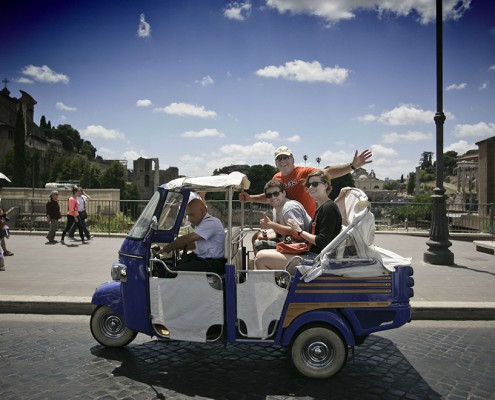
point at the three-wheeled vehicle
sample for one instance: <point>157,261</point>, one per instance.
<point>328,306</point>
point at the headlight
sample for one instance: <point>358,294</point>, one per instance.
<point>118,272</point>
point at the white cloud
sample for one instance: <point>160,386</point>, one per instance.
<point>405,114</point>
<point>412,136</point>
<point>484,85</point>
<point>456,86</point>
<point>492,68</point>
<point>44,74</point>
<point>237,11</point>
<point>481,129</point>
<point>185,109</point>
<point>206,81</point>
<point>24,80</point>
<point>336,10</point>
<point>144,29</point>
<point>381,151</point>
<point>461,147</point>
<point>131,155</point>
<point>105,152</point>
<point>294,139</point>
<point>100,132</point>
<point>202,133</point>
<point>62,117</point>
<point>367,118</point>
<point>335,158</point>
<point>144,103</point>
<point>302,71</point>
<point>268,135</point>
<point>62,106</point>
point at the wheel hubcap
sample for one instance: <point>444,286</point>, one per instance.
<point>318,354</point>
<point>112,326</point>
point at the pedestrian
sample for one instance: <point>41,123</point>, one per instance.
<point>73,216</point>
<point>4,231</point>
<point>293,177</point>
<point>52,216</point>
<point>82,198</point>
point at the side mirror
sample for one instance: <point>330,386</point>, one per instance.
<point>154,223</point>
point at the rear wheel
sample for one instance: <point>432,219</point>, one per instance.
<point>318,353</point>
<point>109,329</point>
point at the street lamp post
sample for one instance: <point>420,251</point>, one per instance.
<point>438,252</point>
<point>305,158</point>
<point>318,160</point>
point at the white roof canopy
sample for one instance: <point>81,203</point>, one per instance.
<point>236,180</point>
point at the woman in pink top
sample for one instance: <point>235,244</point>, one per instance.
<point>73,216</point>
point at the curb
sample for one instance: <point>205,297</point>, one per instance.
<point>421,310</point>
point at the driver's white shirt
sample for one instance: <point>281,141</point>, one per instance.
<point>211,230</point>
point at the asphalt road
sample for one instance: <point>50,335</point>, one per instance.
<point>55,357</point>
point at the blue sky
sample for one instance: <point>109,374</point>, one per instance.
<point>202,84</point>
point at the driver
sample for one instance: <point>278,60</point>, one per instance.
<point>207,239</point>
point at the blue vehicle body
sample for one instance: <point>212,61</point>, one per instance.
<point>347,308</point>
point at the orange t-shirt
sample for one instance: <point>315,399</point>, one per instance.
<point>294,186</point>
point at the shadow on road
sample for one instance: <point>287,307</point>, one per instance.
<point>379,370</point>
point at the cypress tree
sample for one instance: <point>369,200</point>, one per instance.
<point>19,173</point>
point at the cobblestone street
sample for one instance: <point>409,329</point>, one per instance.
<point>55,357</point>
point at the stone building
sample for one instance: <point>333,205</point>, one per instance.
<point>147,176</point>
<point>367,181</point>
<point>486,174</point>
<point>47,150</point>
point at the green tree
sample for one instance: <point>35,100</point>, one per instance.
<point>91,176</point>
<point>259,175</point>
<point>392,185</point>
<point>114,177</point>
<point>70,138</point>
<point>411,183</point>
<point>68,168</point>
<point>130,192</point>
<point>19,162</point>
<point>449,162</point>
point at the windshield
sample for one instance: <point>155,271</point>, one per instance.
<point>170,211</point>
<point>168,215</point>
<point>143,222</point>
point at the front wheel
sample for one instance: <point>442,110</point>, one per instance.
<point>318,353</point>
<point>109,329</point>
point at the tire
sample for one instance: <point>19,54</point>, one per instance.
<point>318,353</point>
<point>109,328</point>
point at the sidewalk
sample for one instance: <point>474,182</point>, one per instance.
<point>56,279</point>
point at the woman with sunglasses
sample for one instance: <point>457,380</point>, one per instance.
<point>325,225</point>
<point>283,210</point>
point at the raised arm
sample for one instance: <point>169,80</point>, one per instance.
<point>358,161</point>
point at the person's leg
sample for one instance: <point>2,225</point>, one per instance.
<point>72,230</point>
<point>85,228</point>
<point>53,229</point>
<point>79,228</point>
<point>70,222</point>
<point>272,259</point>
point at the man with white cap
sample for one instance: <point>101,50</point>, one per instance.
<point>52,216</point>
<point>293,177</point>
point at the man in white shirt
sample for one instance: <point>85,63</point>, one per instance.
<point>207,240</point>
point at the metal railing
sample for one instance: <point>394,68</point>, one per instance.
<point>119,216</point>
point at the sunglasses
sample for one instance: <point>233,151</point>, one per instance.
<point>314,184</point>
<point>281,158</point>
<point>269,195</point>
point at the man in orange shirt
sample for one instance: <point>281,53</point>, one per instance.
<point>293,177</point>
